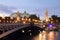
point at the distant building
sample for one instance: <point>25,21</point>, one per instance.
<point>25,14</point>
<point>6,20</point>
<point>17,14</point>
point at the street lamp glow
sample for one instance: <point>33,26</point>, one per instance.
<point>26,19</point>
<point>30,34</point>
<point>3,17</point>
<point>24,22</point>
<point>29,19</point>
<point>11,17</point>
<point>35,20</point>
<point>18,18</point>
<point>22,18</point>
<point>16,21</point>
<point>0,20</point>
<point>43,25</point>
<point>23,31</point>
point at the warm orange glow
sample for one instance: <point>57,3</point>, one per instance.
<point>51,36</point>
<point>24,22</point>
<point>39,21</point>
<point>43,25</point>
<point>7,21</point>
<point>0,20</point>
<point>26,19</point>
<point>29,19</point>
<point>15,21</point>
<point>35,20</point>
<point>11,17</point>
<point>51,18</point>
<point>22,18</point>
<point>3,17</point>
<point>40,36</point>
<point>47,20</point>
<point>18,18</point>
<point>51,21</point>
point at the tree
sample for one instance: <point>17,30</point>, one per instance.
<point>54,17</point>
<point>33,17</point>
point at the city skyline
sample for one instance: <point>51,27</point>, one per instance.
<point>37,7</point>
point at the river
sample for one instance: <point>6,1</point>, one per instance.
<point>52,35</point>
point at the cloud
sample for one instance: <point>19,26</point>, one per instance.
<point>5,9</point>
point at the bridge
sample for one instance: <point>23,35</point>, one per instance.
<point>6,29</point>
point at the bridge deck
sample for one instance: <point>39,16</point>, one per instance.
<point>14,28</point>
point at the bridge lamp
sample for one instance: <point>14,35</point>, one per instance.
<point>29,30</point>
<point>43,31</point>
<point>23,31</point>
<point>30,34</point>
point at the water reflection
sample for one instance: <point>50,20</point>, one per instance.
<point>47,36</point>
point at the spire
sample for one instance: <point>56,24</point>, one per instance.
<point>25,12</point>
<point>47,15</point>
<point>18,14</point>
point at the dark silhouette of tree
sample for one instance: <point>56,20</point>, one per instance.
<point>54,17</point>
<point>59,20</point>
<point>33,17</point>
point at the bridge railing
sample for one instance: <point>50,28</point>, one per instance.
<point>9,28</point>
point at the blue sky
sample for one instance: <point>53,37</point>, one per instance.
<point>37,7</point>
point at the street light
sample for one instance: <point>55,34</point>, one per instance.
<point>11,17</point>
<point>0,20</point>
<point>51,21</point>
<point>26,19</point>
<point>15,21</point>
<point>22,18</point>
<point>3,17</point>
<point>18,18</point>
<point>24,22</point>
<point>29,19</point>
<point>23,31</point>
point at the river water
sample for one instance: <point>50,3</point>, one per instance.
<point>52,35</point>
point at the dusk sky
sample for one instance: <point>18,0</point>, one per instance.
<point>37,7</point>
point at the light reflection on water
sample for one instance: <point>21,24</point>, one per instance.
<point>48,36</point>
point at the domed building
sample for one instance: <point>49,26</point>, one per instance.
<point>17,14</point>
<point>25,14</point>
